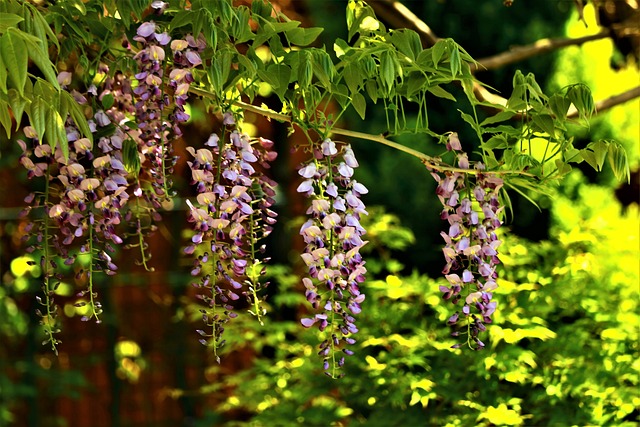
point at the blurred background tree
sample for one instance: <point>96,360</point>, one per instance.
<point>564,346</point>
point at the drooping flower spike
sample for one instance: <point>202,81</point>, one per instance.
<point>333,238</point>
<point>82,202</point>
<point>230,216</point>
<point>472,208</point>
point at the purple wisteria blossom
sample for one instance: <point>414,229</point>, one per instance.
<point>472,209</point>
<point>82,204</point>
<point>231,215</point>
<point>151,100</point>
<point>333,238</point>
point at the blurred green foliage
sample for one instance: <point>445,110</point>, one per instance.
<point>563,350</point>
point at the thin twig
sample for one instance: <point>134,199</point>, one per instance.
<point>433,162</point>
<point>398,15</point>
<point>520,53</point>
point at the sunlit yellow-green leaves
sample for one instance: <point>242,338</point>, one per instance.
<point>502,416</point>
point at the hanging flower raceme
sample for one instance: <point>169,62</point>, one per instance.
<point>159,110</point>
<point>84,193</point>
<point>231,215</point>
<point>151,100</point>
<point>333,237</point>
<point>472,208</point>
<point>186,55</point>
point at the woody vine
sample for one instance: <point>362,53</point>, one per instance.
<point>96,93</point>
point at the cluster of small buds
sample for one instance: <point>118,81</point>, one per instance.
<point>472,208</point>
<point>333,237</point>
<point>231,215</point>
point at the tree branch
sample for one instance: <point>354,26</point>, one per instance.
<point>521,53</point>
<point>431,162</point>
<point>397,14</point>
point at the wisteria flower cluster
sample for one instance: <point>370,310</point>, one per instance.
<point>231,215</point>
<point>333,237</point>
<point>472,208</point>
<point>85,201</point>
<point>152,97</point>
<point>82,202</point>
<point>159,110</point>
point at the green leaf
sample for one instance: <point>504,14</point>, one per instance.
<point>303,36</point>
<point>559,105</point>
<point>3,77</point>
<point>182,18</point>
<point>352,77</point>
<point>77,4</point>
<point>197,22</point>
<point>323,68</point>
<point>124,10</point>
<point>340,47</point>
<point>533,86</point>
<point>5,117</point>
<point>261,8</point>
<point>79,30</point>
<point>51,130</point>
<point>360,17</point>
<point>14,54</point>
<point>562,167</point>
<point>387,71</point>
<point>416,82</point>
<point>372,90</point>
<point>276,47</point>
<point>545,123</point>
<point>619,162</point>
<point>572,155</point>
<point>497,141</point>
<point>37,116</point>
<point>211,33</point>
<point>497,118</point>
<point>41,59</point>
<point>107,101</point>
<point>516,101</point>
<point>9,20</point>
<point>437,51</point>
<point>441,93</point>
<point>519,80</point>
<point>469,119</point>
<point>59,132</point>
<point>240,28</point>
<point>41,24</point>
<point>590,157</point>
<point>17,103</point>
<point>341,94</point>
<point>305,70</point>
<point>247,65</point>
<point>359,103</point>
<point>454,60</point>
<point>581,97</point>
<point>600,149</point>
<point>75,111</point>
<point>280,74</point>
<point>407,41</point>
<point>130,157</point>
